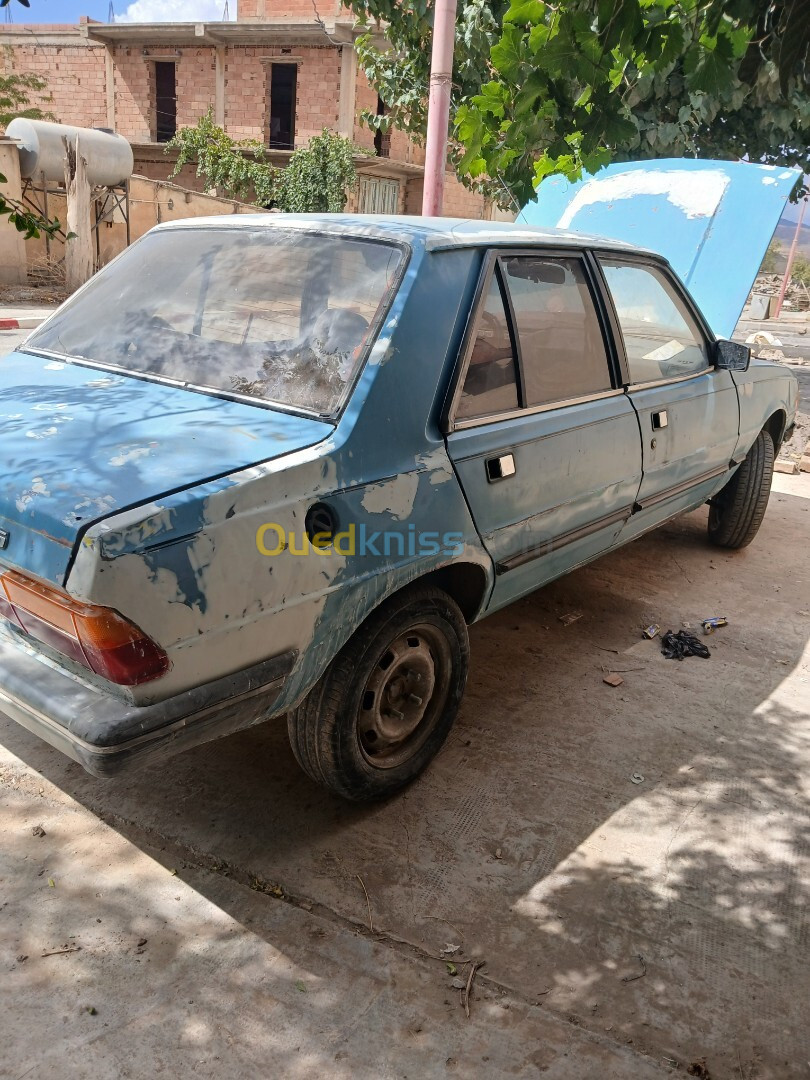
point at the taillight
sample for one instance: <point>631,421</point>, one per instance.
<point>97,637</point>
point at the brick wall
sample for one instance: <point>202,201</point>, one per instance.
<point>134,90</point>
<point>458,201</point>
<point>318,93</point>
<point>196,85</point>
<point>73,71</point>
<point>246,94</point>
<point>299,10</point>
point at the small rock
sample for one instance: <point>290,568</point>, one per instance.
<point>613,680</point>
<point>781,465</point>
<point>498,853</point>
<point>38,831</point>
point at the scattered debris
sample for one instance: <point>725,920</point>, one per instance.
<point>613,680</point>
<point>763,337</point>
<point>641,974</point>
<point>699,1069</point>
<point>636,778</point>
<point>91,1009</point>
<point>51,883</point>
<point>38,831</point>
<point>498,853</point>
<point>650,632</point>
<point>677,646</point>
<point>710,625</point>
<point>566,620</point>
<point>22,958</point>
<point>262,886</point>
<point>465,997</point>
<point>781,465</point>
<point>458,984</point>
<point>368,902</point>
<point>451,968</point>
<point>62,951</point>
<point>300,987</point>
<point>450,950</point>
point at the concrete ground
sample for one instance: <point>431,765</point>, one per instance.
<point>228,918</point>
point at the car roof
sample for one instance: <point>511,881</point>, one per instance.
<point>434,233</point>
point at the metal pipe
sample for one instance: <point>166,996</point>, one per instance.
<point>777,311</point>
<point>441,75</point>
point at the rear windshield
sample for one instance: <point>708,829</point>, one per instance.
<point>272,313</point>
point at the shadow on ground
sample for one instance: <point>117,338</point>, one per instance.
<point>668,915</point>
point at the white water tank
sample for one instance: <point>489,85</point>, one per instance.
<point>42,151</point>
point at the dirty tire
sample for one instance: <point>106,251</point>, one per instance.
<point>364,730</point>
<point>736,512</point>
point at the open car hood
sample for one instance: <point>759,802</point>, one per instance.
<point>713,220</point>
<point>78,444</point>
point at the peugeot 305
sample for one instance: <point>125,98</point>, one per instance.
<point>273,465</point>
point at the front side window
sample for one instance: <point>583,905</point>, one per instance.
<point>490,386</point>
<point>661,337</point>
<point>561,344</point>
<point>279,315</point>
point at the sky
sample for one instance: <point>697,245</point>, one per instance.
<point>68,11</point>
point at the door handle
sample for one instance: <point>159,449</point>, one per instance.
<point>499,468</point>
<point>660,420</point>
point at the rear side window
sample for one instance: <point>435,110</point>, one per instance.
<point>661,338</point>
<point>490,385</point>
<point>562,349</point>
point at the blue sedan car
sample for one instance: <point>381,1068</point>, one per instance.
<point>276,465</point>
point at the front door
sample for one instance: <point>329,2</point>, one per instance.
<point>543,438</point>
<point>688,410</point>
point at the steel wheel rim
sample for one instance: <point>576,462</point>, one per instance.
<point>404,697</point>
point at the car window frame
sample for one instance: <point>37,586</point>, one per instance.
<point>660,264</point>
<point>450,422</point>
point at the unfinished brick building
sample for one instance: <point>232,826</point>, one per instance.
<point>279,74</point>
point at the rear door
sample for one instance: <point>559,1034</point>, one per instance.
<point>688,410</point>
<point>542,436</point>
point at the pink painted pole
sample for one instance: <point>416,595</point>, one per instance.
<point>441,74</point>
<point>777,309</point>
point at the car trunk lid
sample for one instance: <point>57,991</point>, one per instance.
<point>78,444</point>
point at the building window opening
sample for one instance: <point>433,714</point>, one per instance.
<point>165,100</point>
<point>382,139</point>
<point>282,106</point>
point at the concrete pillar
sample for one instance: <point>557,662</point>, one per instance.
<point>79,248</point>
<point>13,268</point>
<point>109,79</point>
<point>348,83</point>
<point>219,91</point>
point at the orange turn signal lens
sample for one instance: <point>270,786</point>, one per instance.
<point>97,637</point>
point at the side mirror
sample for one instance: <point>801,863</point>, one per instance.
<point>732,356</point>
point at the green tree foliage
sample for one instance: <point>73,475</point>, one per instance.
<point>15,97</point>
<point>801,270</point>
<point>541,88</point>
<point>318,177</point>
<point>769,263</point>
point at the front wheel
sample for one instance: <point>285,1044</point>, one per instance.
<point>386,703</point>
<point>736,512</point>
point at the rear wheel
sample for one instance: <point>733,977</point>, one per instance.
<point>386,703</point>
<point>736,512</point>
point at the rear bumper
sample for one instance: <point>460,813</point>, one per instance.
<point>107,736</point>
